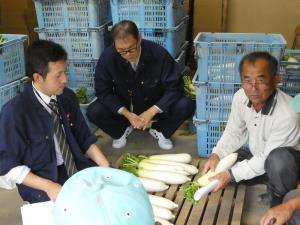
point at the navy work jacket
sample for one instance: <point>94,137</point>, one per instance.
<point>26,137</point>
<point>157,80</point>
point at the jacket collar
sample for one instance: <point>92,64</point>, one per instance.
<point>269,106</point>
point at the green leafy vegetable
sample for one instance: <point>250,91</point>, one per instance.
<point>81,95</point>
<point>188,87</point>
<point>2,39</point>
<point>188,190</point>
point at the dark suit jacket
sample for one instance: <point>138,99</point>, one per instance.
<point>26,137</point>
<point>157,80</point>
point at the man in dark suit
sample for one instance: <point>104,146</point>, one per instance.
<point>137,83</point>
<point>44,138</point>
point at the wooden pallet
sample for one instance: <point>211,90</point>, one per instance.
<point>222,208</point>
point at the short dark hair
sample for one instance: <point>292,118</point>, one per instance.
<point>124,28</point>
<point>39,54</point>
<point>254,56</point>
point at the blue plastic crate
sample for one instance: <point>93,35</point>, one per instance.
<point>10,90</point>
<point>208,135</point>
<point>171,38</point>
<point>83,108</point>
<point>219,54</point>
<point>181,57</point>
<point>290,72</point>
<point>71,13</point>
<point>81,73</point>
<point>148,13</point>
<point>80,43</point>
<point>12,63</point>
<point>213,101</point>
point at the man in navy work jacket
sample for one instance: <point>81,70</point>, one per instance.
<point>137,83</point>
<point>31,154</point>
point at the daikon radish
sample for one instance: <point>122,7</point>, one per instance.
<point>162,221</point>
<point>191,188</point>
<point>187,167</point>
<point>162,202</point>
<point>224,164</point>
<point>180,157</point>
<point>162,212</point>
<point>166,177</point>
<point>293,60</point>
<point>160,167</point>
<point>151,185</point>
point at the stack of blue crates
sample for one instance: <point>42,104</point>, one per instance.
<point>81,27</point>
<point>217,78</point>
<point>290,72</point>
<point>160,21</point>
<point>12,67</point>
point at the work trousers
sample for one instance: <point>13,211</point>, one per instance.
<point>282,168</point>
<point>167,122</point>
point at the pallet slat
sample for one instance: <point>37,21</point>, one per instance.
<point>220,208</point>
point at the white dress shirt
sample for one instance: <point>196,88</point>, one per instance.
<point>276,125</point>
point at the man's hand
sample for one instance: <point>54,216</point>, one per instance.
<point>224,178</point>
<point>282,213</point>
<point>52,190</point>
<point>136,121</point>
<point>211,163</point>
<point>148,115</point>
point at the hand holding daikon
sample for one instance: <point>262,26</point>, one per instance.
<point>226,163</point>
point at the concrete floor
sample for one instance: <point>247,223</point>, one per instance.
<point>141,143</point>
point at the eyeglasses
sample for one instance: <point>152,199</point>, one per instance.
<point>130,50</point>
<point>248,83</point>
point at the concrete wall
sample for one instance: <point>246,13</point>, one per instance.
<point>267,16</point>
<point>255,16</point>
<point>18,17</point>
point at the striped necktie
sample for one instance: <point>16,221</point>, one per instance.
<point>62,140</point>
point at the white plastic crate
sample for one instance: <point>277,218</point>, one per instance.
<point>12,62</point>
<point>148,13</point>
<point>72,13</point>
<point>219,54</point>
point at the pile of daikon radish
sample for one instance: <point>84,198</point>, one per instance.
<point>156,173</point>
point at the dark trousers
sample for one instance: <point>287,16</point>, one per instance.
<point>282,168</point>
<point>167,122</point>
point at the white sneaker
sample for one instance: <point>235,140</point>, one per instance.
<point>163,142</point>
<point>121,142</point>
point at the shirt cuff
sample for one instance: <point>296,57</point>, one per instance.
<point>160,111</point>
<point>120,110</point>
<point>16,175</point>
